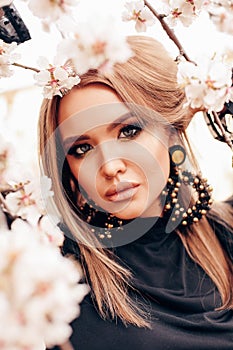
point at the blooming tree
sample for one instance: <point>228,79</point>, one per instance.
<point>96,43</point>
<point>7,57</point>
<point>207,85</point>
<point>138,12</point>
<point>40,297</point>
<point>55,80</point>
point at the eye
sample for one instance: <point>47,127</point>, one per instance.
<point>129,131</point>
<point>79,150</point>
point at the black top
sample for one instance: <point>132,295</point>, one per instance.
<point>178,294</point>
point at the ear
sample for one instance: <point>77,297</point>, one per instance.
<point>174,137</point>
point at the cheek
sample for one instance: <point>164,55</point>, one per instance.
<point>75,167</point>
<point>156,164</point>
<point>85,173</point>
<point>155,159</point>
<point>163,160</point>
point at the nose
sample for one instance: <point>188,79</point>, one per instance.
<point>112,165</point>
<point>112,168</point>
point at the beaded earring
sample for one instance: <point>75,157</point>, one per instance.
<point>177,155</point>
<point>172,208</point>
<point>102,222</point>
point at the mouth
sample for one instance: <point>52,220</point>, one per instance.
<point>122,191</point>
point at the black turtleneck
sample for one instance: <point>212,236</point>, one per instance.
<point>178,295</point>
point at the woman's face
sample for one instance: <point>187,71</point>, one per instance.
<point>121,163</point>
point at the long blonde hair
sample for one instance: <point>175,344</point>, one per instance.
<point>146,79</point>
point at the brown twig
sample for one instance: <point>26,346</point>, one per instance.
<point>182,52</point>
<point>223,131</point>
<point>169,31</point>
<point>26,67</point>
<point>7,188</point>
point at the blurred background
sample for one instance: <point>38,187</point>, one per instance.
<point>20,99</point>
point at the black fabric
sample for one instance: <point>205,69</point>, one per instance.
<point>179,296</point>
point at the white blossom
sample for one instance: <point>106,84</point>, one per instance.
<point>45,188</point>
<point>7,57</point>
<point>39,291</point>
<point>97,44</point>
<point>141,14</point>
<point>228,55</point>
<point>221,14</point>
<point>51,9</point>
<point>22,204</point>
<point>50,232</point>
<point>28,201</point>
<point>227,4</point>
<point>206,85</point>
<point>55,79</point>
<point>185,11</point>
<point>5,2</point>
<point>18,171</point>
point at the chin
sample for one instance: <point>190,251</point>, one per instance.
<point>128,214</point>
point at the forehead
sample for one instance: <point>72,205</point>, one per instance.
<point>87,108</point>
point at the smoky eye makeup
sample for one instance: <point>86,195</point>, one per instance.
<point>79,150</point>
<point>75,141</point>
<point>129,131</point>
<point>126,129</point>
<point>134,122</point>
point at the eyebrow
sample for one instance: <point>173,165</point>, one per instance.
<point>72,139</point>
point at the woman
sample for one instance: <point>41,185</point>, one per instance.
<point>155,251</point>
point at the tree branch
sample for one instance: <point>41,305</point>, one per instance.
<point>3,204</point>
<point>169,31</point>
<point>7,188</point>
<point>25,67</point>
<point>223,131</point>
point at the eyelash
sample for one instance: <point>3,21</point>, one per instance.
<point>136,128</point>
<point>131,127</point>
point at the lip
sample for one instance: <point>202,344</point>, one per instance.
<point>122,191</point>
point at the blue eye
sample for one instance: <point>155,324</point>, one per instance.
<point>79,150</point>
<point>129,131</point>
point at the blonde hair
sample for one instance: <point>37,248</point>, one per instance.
<point>147,79</point>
